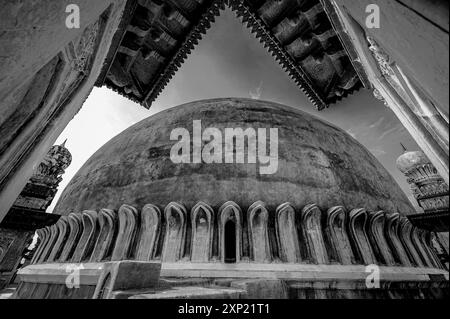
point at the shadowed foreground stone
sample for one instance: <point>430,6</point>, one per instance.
<point>126,274</point>
<point>193,292</point>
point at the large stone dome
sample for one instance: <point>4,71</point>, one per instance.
<point>318,163</point>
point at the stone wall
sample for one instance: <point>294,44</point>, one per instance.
<point>12,244</point>
<point>48,70</point>
<point>16,234</point>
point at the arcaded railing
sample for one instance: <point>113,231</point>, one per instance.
<point>202,234</point>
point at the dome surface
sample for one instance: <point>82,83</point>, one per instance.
<point>318,163</point>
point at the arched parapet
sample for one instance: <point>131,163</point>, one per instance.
<point>108,226</point>
<point>230,212</point>
<point>39,233</point>
<point>287,235</point>
<point>416,238</point>
<point>375,233</point>
<point>405,234</point>
<point>312,234</point>
<point>202,219</point>
<point>425,239</point>
<point>149,233</point>
<point>128,227</point>
<point>63,232</point>
<point>54,232</point>
<point>391,231</point>
<point>430,239</point>
<point>175,215</point>
<point>88,238</point>
<point>336,236</point>
<point>44,236</point>
<point>75,231</point>
<point>362,249</point>
<point>258,217</point>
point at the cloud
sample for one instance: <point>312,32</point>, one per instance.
<point>377,151</point>
<point>256,95</point>
<point>377,123</point>
<point>397,128</point>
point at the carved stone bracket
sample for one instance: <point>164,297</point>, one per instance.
<point>384,61</point>
<point>86,47</point>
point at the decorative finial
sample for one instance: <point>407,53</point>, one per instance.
<point>404,148</point>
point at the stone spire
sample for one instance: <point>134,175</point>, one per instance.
<point>403,147</point>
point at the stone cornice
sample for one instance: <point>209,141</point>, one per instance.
<point>322,57</point>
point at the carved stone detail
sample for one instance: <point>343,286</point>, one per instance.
<point>259,237</point>
<point>202,217</point>
<point>230,212</point>
<point>357,230</point>
<point>425,238</point>
<point>312,234</point>
<point>175,215</point>
<point>346,238</point>
<point>128,224</point>
<point>149,232</point>
<point>416,240</point>
<point>63,233</point>
<point>54,232</point>
<point>375,233</point>
<point>41,235</point>
<point>399,253</point>
<point>287,235</point>
<point>86,47</point>
<point>5,243</point>
<point>405,234</point>
<point>335,230</point>
<point>44,241</point>
<point>107,220</point>
<point>75,226</point>
<point>88,237</point>
<point>383,59</point>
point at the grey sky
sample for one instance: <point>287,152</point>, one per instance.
<point>230,62</point>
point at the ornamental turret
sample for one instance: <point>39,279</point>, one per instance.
<point>428,187</point>
<point>41,188</point>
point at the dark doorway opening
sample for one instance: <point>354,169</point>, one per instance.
<point>230,242</point>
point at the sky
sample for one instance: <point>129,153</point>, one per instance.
<point>230,62</point>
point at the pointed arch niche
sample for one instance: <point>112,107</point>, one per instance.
<point>175,215</point>
<point>230,232</point>
<point>258,230</point>
<point>202,232</point>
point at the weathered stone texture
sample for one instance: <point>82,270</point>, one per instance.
<point>156,37</point>
<point>47,71</point>
<point>318,163</point>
